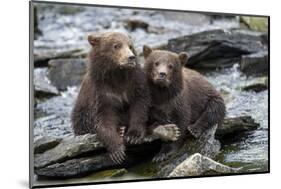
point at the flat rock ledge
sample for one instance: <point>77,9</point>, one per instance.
<point>81,155</point>
<point>222,48</point>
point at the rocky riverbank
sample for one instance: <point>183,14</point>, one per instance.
<point>76,156</point>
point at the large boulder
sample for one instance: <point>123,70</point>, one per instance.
<point>42,84</point>
<point>71,146</point>
<point>236,125</point>
<point>217,48</point>
<point>65,73</point>
<point>255,64</point>
<point>77,156</point>
<point>257,85</point>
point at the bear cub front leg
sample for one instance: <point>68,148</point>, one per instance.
<point>138,115</point>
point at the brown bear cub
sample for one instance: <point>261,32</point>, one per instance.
<point>113,93</point>
<point>180,96</point>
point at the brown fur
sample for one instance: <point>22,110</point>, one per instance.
<point>113,93</point>
<point>183,97</point>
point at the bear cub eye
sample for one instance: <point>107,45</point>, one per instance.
<point>117,45</point>
<point>156,63</point>
<point>170,66</point>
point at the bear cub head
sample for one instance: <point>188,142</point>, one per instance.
<point>113,49</point>
<point>164,68</point>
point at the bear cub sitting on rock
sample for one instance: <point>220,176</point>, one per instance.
<point>113,93</point>
<point>180,96</point>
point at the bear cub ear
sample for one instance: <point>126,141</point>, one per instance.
<point>146,51</point>
<point>183,56</point>
<point>93,40</point>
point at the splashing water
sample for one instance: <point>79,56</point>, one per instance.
<point>252,151</point>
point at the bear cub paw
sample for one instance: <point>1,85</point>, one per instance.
<point>168,132</point>
<point>118,155</point>
<point>135,135</point>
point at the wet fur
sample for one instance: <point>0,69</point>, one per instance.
<point>110,97</point>
<point>190,102</point>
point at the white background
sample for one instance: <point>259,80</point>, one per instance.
<point>14,105</point>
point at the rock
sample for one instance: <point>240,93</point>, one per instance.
<point>222,16</point>
<point>81,166</point>
<point>193,19</point>
<point>198,165</point>
<point>42,56</point>
<point>232,126</point>
<point>155,30</point>
<point>133,24</point>
<point>65,73</point>
<point>265,38</point>
<point>69,147</point>
<point>217,48</point>
<point>42,84</point>
<point>80,155</point>
<point>70,10</point>
<point>75,167</point>
<point>37,31</point>
<point>206,145</point>
<point>72,146</point>
<point>255,64</point>
<point>43,144</point>
<point>255,23</point>
<point>258,85</point>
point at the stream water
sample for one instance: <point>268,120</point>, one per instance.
<point>65,28</point>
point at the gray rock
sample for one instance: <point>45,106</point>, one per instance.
<point>37,31</point>
<point>45,143</point>
<point>80,166</point>
<point>42,84</point>
<point>42,56</point>
<point>255,64</point>
<point>65,73</point>
<point>206,145</point>
<point>69,147</point>
<point>133,24</point>
<point>72,146</point>
<point>216,48</point>
<point>77,156</point>
<point>198,165</point>
<point>232,126</point>
<point>257,85</point>
<point>75,167</point>
<point>193,19</point>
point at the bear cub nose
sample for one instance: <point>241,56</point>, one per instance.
<point>132,59</point>
<point>162,75</point>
